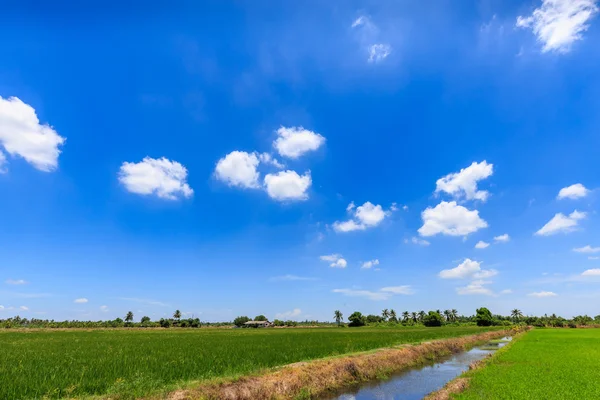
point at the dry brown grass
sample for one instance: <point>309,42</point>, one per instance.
<point>316,378</point>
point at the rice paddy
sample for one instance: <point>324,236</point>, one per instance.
<point>129,363</point>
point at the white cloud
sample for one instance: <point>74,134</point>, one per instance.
<point>404,289</point>
<point>502,238</point>
<point>364,293</point>
<point>290,278</point>
<point>506,291</point>
<point>350,207</point>
<point>81,300</point>
<point>366,216</point>
<point>295,141</point>
<point>24,308</point>
<point>335,260</point>
<point>16,282</point>
<point>21,134</point>
<point>448,218</point>
<point>360,21</point>
<point>370,264</point>
<point>104,308</point>
<point>268,159</point>
<point>587,249</point>
<point>591,272</point>
<point>288,185</point>
<point>559,23</point>
<point>289,314</point>
<point>466,270</point>
<point>593,258</point>
<point>542,294</point>
<point>238,169</point>
<point>475,287</point>
<point>562,223</point>
<point>416,240</point>
<point>464,183</point>
<point>3,163</point>
<point>573,192</point>
<point>481,245</point>
<point>379,52</point>
<point>162,177</point>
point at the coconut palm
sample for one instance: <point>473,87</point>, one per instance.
<point>422,315</point>
<point>177,314</point>
<point>129,317</point>
<point>516,314</point>
<point>339,317</point>
<point>385,314</point>
<point>414,315</point>
<point>405,316</point>
<point>393,315</point>
<point>448,315</point>
<point>454,315</point>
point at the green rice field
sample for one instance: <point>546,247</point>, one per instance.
<point>543,364</point>
<point>129,363</point>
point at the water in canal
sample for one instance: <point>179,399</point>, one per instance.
<point>419,382</point>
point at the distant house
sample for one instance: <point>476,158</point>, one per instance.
<point>258,324</point>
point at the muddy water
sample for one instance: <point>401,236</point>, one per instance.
<point>419,382</point>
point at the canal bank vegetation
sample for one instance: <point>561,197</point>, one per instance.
<point>542,364</point>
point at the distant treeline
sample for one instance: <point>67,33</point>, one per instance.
<point>482,317</point>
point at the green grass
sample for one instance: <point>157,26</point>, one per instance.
<point>543,364</point>
<point>131,363</point>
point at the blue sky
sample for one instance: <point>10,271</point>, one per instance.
<point>236,159</point>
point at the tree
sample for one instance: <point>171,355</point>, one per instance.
<point>357,319</point>
<point>433,318</point>
<point>339,317</point>
<point>260,318</point>
<point>516,314</point>
<point>448,315</point>
<point>385,314</point>
<point>177,314</point>
<point>414,315</point>
<point>405,316</point>
<point>240,321</point>
<point>454,315</point>
<point>483,317</point>
<point>145,319</point>
<point>129,317</point>
<point>422,315</point>
<point>393,317</point>
<point>373,319</point>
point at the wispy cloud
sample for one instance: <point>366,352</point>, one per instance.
<point>382,294</point>
<point>16,282</point>
<point>290,278</point>
<point>143,301</point>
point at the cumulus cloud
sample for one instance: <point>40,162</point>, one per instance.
<point>370,264</point>
<point>557,24</point>
<point>382,294</point>
<point>587,249</point>
<point>239,169</point>
<point>288,185</point>
<point>542,294</point>
<point>468,269</point>
<point>379,52</point>
<point>21,134</point>
<point>16,282</point>
<point>575,191</point>
<point>448,218</point>
<point>475,287</point>
<point>591,272</point>
<point>562,223</point>
<point>289,314</point>
<point>416,240</point>
<point>294,141</point>
<point>366,216</point>
<point>335,260</point>
<point>463,184</point>
<point>502,238</point>
<point>161,177</point>
<point>81,300</point>
<point>481,245</point>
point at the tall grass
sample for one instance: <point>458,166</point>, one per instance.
<point>130,363</point>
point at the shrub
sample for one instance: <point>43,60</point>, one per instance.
<point>432,319</point>
<point>483,317</point>
<point>240,321</point>
<point>373,319</point>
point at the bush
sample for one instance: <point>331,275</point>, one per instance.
<point>165,323</point>
<point>373,319</point>
<point>240,321</point>
<point>357,319</point>
<point>483,317</point>
<point>432,319</point>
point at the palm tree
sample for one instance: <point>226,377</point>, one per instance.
<point>405,316</point>
<point>454,315</point>
<point>448,315</point>
<point>339,317</point>
<point>516,314</point>
<point>129,317</point>
<point>385,314</point>
<point>414,316</point>
<point>393,315</point>
<point>177,314</point>
<point>422,315</point>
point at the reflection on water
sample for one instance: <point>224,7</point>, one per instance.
<point>419,382</point>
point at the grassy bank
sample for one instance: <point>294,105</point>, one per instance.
<point>543,364</point>
<point>133,363</point>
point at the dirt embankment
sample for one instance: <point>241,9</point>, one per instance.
<point>316,378</point>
